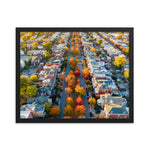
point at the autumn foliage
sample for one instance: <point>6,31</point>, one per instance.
<point>68,90</point>
<point>70,78</point>
<point>85,71</point>
<point>67,117</point>
<point>77,73</point>
<point>92,101</point>
<point>55,111</point>
<point>68,110</point>
<point>74,51</point>
<point>93,49</point>
<point>119,62</point>
<point>80,110</point>
<point>79,101</point>
<point>69,101</point>
<point>79,91</point>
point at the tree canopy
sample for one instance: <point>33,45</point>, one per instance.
<point>92,101</point>
<point>69,101</point>
<point>24,81</point>
<point>80,110</point>
<point>47,45</point>
<point>119,62</point>
<point>48,106</point>
<point>126,74</point>
<point>54,111</point>
<point>31,90</point>
<point>34,78</point>
<point>68,110</point>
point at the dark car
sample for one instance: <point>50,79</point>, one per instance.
<point>97,110</point>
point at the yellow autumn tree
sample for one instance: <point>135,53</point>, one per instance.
<point>68,110</point>
<point>24,38</point>
<point>34,78</point>
<point>32,38</point>
<point>119,62</point>
<point>92,101</point>
<point>31,34</point>
<point>79,91</point>
<point>127,50</point>
<point>35,45</point>
<point>126,74</point>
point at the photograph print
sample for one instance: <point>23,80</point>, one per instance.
<point>74,75</point>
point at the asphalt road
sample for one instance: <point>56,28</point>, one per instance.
<point>62,100</point>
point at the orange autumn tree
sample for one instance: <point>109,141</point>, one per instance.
<point>93,49</point>
<point>76,41</point>
<point>70,85</point>
<point>85,71</point>
<point>74,51</point>
<point>76,59</point>
<point>68,110</point>
<point>78,82</point>
<point>54,111</point>
<point>71,61</point>
<point>69,101</point>
<point>70,78</point>
<point>68,90</point>
<point>79,110</point>
<point>67,117</point>
<point>101,116</point>
<point>61,41</point>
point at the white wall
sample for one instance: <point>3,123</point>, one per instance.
<point>77,14</point>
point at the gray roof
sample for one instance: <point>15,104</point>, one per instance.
<point>44,89</point>
<point>121,86</point>
<point>37,100</point>
<point>39,107</point>
<point>115,100</point>
<point>118,110</point>
<point>32,107</point>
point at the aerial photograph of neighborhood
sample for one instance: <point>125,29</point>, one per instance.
<point>74,75</point>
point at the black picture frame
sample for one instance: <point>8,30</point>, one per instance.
<point>76,29</point>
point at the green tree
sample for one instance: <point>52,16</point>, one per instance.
<point>31,91</point>
<point>98,52</point>
<point>48,106</point>
<point>47,45</point>
<point>59,87</point>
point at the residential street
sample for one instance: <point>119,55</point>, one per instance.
<point>62,100</point>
